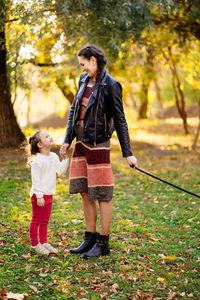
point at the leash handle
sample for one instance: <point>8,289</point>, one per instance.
<point>173,185</point>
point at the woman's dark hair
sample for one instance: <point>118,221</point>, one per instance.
<point>92,50</point>
<point>33,141</point>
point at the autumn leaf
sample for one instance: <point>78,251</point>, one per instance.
<point>26,256</point>
<point>33,288</point>
<point>170,258</point>
<point>162,280</point>
<point>3,293</point>
<point>144,295</point>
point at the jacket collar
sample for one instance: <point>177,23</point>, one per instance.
<point>85,78</point>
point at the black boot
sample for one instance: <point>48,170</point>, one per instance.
<point>89,242</point>
<point>100,248</point>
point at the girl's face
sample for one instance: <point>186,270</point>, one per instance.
<point>89,65</point>
<point>46,140</point>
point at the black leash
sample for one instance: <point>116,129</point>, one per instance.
<point>177,187</point>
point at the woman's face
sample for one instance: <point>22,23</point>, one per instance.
<point>89,65</point>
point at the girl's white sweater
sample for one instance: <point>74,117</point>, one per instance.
<point>43,172</point>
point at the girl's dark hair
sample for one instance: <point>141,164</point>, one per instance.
<point>33,141</point>
<point>30,147</point>
<point>92,50</point>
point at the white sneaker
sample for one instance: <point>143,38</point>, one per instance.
<point>40,249</point>
<point>50,248</point>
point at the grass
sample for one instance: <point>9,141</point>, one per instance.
<point>154,236</point>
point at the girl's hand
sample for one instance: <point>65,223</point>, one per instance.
<point>40,202</point>
<point>63,150</point>
<point>132,160</point>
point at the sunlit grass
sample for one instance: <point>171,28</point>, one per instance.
<point>154,233</point>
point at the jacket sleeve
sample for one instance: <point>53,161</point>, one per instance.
<point>117,112</point>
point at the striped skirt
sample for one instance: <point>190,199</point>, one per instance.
<point>91,172</point>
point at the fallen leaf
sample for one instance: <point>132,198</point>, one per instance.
<point>42,275</point>
<point>170,258</point>
<point>115,286</point>
<point>171,274</point>
<point>38,283</point>
<point>33,288</point>
<point>144,295</point>
<point>3,293</point>
<point>171,295</point>
<point>162,280</point>
<point>26,256</point>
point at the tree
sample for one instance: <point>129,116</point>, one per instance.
<point>10,133</point>
<point>182,15</point>
<point>108,23</point>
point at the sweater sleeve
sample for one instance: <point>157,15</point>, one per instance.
<point>36,179</point>
<point>61,166</point>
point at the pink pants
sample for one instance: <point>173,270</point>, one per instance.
<point>40,219</point>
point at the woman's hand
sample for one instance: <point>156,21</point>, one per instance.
<point>40,202</point>
<point>63,150</point>
<point>132,160</point>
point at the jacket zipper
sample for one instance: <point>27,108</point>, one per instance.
<point>105,123</point>
<point>75,109</point>
<point>95,126</point>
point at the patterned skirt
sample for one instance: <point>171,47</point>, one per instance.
<point>91,172</point>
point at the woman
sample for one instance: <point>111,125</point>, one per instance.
<point>96,106</point>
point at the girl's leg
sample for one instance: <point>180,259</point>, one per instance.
<point>43,228</point>
<point>37,213</point>
<point>106,209</point>
<point>90,213</point>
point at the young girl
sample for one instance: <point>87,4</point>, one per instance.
<point>44,165</point>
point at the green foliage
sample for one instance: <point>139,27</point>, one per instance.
<point>53,31</point>
<point>106,23</point>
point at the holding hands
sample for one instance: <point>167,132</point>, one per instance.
<point>63,150</point>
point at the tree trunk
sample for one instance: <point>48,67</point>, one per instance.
<point>180,99</point>
<point>148,75</point>
<point>144,105</point>
<point>67,93</point>
<point>10,133</point>
<point>178,93</point>
<point>28,98</point>
<point>158,95</point>
<point>197,133</point>
<point>65,89</point>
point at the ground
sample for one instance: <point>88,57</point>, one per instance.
<point>154,236</point>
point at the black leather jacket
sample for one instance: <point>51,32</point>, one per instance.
<point>105,105</point>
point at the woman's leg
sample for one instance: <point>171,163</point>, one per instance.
<point>106,209</point>
<point>102,242</point>
<point>90,213</point>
